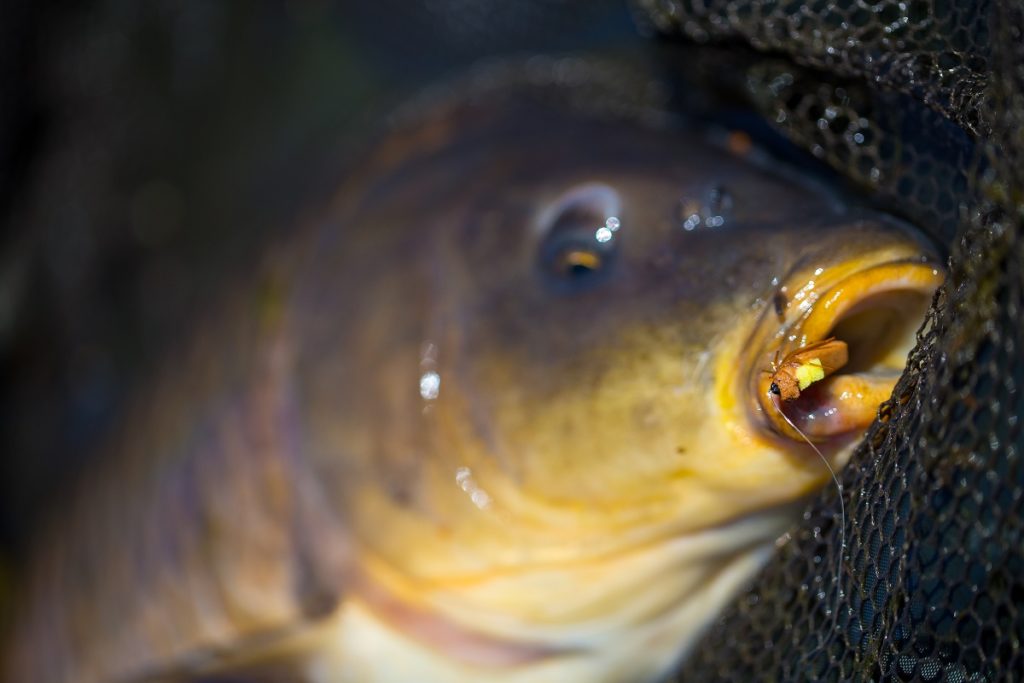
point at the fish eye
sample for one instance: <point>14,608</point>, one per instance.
<point>580,232</point>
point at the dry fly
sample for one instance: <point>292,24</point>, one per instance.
<point>805,366</point>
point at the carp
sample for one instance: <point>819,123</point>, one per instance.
<point>502,413</point>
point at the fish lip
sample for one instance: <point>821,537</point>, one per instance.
<point>804,310</point>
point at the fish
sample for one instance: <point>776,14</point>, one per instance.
<point>495,413</point>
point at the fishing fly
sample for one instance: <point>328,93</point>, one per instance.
<point>805,366</point>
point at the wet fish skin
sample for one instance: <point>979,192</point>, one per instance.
<point>289,466</point>
<point>591,418</point>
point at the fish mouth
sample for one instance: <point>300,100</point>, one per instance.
<point>835,346</point>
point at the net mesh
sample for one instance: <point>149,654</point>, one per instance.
<point>930,586</point>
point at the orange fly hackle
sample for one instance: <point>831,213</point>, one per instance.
<point>805,366</point>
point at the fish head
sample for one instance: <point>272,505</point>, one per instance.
<point>530,347</point>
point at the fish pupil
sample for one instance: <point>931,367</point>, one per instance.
<point>572,262</point>
<point>580,261</point>
<point>578,269</point>
<point>774,388</point>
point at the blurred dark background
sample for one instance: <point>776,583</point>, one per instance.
<point>149,151</point>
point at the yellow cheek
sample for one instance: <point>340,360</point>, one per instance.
<point>809,373</point>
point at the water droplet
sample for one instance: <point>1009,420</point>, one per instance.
<point>464,480</point>
<point>430,385</point>
<point>613,223</point>
<point>603,235</point>
<point>480,498</point>
<point>711,211</point>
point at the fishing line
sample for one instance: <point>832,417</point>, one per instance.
<point>842,509</point>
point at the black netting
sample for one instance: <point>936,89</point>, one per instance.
<point>935,50</point>
<point>930,584</point>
